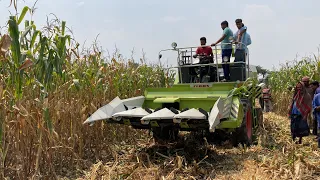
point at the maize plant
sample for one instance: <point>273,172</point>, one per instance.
<point>48,87</point>
<point>284,80</point>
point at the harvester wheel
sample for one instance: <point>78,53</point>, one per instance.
<point>244,133</point>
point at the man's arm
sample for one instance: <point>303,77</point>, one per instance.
<point>197,52</point>
<point>242,31</point>
<point>223,36</point>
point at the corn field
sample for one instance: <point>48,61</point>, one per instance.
<point>284,80</point>
<point>49,86</point>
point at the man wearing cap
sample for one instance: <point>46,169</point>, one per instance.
<point>226,48</point>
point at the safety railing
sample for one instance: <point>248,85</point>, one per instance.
<point>182,51</point>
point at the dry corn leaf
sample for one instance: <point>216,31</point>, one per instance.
<point>1,91</point>
<point>27,63</point>
<point>5,43</point>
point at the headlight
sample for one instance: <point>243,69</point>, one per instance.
<point>174,45</point>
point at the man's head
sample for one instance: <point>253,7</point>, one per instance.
<point>314,85</point>
<point>299,86</point>
<point>306,81</point>
<point>203,41</point>
<point>224,24</point>
<point>239,23</point>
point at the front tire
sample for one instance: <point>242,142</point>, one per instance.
<point>244,134</point>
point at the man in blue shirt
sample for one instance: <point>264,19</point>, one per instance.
<point>316,111</point>
<point>314,86</point>
<point>226,47</point>
<point>243,39</point>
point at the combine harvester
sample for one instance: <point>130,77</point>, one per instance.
<point>210,105</point>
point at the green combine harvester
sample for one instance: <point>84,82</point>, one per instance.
<point>198,100</point>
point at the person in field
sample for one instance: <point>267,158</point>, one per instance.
<point>314,86</point>
<point>266,96</point>
<point>227,37</point>
<point>306,81</point>
<point>316,110</point>
<point>317,90</point>
<point>299,110</point>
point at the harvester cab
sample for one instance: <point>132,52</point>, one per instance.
<point>197,101</point>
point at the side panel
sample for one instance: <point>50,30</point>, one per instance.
<point>236,115</point>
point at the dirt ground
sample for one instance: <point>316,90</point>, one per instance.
<point>273,156</point>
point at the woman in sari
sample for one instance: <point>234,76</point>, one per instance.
<point>299,111</point>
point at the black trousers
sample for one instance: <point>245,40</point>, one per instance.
<point>315,126</point>
<point>240,55</point>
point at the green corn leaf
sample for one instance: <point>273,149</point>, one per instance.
<point>14,34</point>
<point>23,13</point>
<point>48,76</point>
<point>47,119</point>
<point>26,23</point>
<point>34,37</point>
<point>69,39</point>
<point>49,70</point>
<point>24,34</point>
<point>63,27</point>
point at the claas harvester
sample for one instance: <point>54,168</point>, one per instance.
<point>198,100</point>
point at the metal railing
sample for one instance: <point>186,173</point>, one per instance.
<point>183,50</point>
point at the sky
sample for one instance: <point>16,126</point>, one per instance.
<point>280,29</point>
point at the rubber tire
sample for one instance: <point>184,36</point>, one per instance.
<point>241,136</point>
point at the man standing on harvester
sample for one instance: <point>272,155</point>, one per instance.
<point>244,38</point>
<point>226,38</point>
